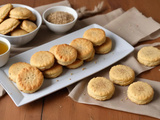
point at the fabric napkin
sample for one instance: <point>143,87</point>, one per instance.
<point>130,26</point>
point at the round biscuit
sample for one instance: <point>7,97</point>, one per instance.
<point>52,49</point>
<point>42,60</point>
<point>92,56</point>
<point>65,54</point>
<point>149,56</point>
<point>122,75</point>
<point>28,26</point>
<point>4,11</point>
<point>84,48</point>
<point>15,68</point>
<point>96,35</point>
<point>53,72</point>
<point>8,25</point>
<point>105,47</point>
<point>20,13</point>
<point>100,88</point>
<point>29,79</point>
<point>75,64</point>
<point>18,32</point>
<point>140,92</point>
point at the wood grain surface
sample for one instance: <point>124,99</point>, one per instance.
<point>58,106</point>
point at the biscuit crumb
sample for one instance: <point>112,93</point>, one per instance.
<point>57,80</point>
<point>126,98</point>
<point>121,99</point>
<point>71,73</point>
<point>95,62</point>
<point>83,68</point>
<point>69,78</point>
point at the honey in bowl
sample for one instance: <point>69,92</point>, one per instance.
<point>3,47</point>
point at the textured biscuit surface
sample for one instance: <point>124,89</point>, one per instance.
<point>18,32</point>
<point>15,68</point>
<point>149,56</point>
<point>4,11</point>
<point>20,13</point>
<point>65,54</point>
<point>28,26</point>
<point>8,25</point>
<point>140,92</point>
<point>53,72</point>
<point>84,48</point>
<point>100,88</point>
<point>121,75</point>
<point>105,47</point>
<point>95,35</point>
<point>29,79</point>
<point>42,60</point>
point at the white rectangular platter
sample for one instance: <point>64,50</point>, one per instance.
<point>119,50</point>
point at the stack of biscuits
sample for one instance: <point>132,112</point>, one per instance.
<point>49,64</point>
<point>16,21</point>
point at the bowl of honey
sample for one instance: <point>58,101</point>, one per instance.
<point>5,47</point>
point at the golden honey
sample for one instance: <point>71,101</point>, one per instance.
<point>3,47</point>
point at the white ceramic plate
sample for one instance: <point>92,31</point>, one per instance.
<point>120,49</point>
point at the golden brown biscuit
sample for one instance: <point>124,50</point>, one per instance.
<point>96,35</point>
<point>53,72</point>
<point>121,75</point>
<point>100,88</point>
<point>105,47</point>
<point>18,32</point>
<point>84,48</point>
<point>8,25</point>
<point>33,17</point>
<point>4,11</point>
<point>42,60</point>
<point>65,54</point>
<point>92,56</point>
<point>15,68</point>
<point>75,64</point>
<point>52,49</point>
<point>28,26</point>
<point>20,13</point>
<point>149,56</point>
<point>140,92</point>
<point>29,79</point>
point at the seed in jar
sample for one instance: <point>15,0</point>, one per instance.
<point>60,17</point>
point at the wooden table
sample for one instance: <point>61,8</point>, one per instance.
<point>58,106</point>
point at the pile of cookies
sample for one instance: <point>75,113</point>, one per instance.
<point>101,88</point>
<point>49,64</point>
<point>16,21</point>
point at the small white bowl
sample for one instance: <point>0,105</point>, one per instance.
<point>5,56</point>
<point>60,28</point>
<point>23,39</point>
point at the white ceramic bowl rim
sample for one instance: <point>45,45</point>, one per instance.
<point>6,42</point>
<point>75,17</point>
<point>38,26</point>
